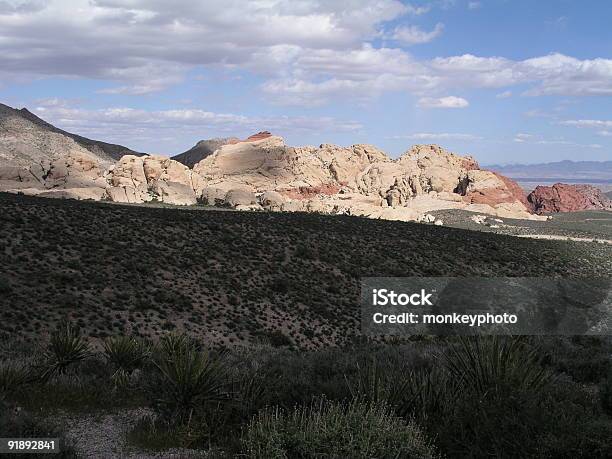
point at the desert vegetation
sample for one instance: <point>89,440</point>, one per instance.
<point>232,334</point>
<point>453,397</point>
<point>231,278</point>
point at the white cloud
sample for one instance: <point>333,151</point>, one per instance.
<point>437,136</point>
<point>522,137</point>
<point>306,51</point>
<point>536,139</point>
<point>474,5</point>
<point>442,102</point>
<point>605,133</point>
<point>504,95</point>
<point>588,123</point>
<point>127,125</point>
<point>413,35</point>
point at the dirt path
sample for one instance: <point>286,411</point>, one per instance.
<point>566,238</point>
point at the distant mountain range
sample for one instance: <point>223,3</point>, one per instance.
<point>561,171</point>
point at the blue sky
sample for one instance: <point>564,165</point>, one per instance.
<point>506,81</point>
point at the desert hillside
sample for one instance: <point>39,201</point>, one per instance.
<point>26,139</point>
<point>233,277</point>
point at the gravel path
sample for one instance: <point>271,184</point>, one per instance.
<point>102,436</point>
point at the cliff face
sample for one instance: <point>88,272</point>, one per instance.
<point>568,198</point>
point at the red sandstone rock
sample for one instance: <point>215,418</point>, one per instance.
<point>568,198</point>
<point>259,136</point>
<point>308,192</point>
<point>497,194</point>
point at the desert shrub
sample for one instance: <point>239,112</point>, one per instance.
<point>66,347</point>
<point>13,376</point>
<point>126,353</point>
<point>492,397</point>
<point>482,364</point>
<point>186,379</point>
<point>333,430</point>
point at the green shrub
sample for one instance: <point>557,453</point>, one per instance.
<point>482,364</point>
<point>186,380</point>
<point>13,376</point>
<point>126,353</point>
<point>65,348</point>
<point>333,430</point>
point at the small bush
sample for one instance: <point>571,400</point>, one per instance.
<point>186,380</point>
<point>13,376</point>
<point>491,363</point>
<point>65,348</point>
<point>126,353</point>
<point>332,430</point>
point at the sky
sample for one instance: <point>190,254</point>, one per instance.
<point>508,81</point>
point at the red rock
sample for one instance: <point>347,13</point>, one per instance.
<point>568,198</point>
<point>515,189</point>
<point>469,163</point>
<point>511,192</point>
<point>308,192</point>
<point>259,136</point>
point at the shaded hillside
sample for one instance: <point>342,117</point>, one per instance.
<point>233,276</point>
<point>16,124</point>
<point>201,150</point>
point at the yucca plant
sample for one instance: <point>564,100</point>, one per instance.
<point>188,380</point>
<point>66,347</point>
<point>482,364</point>
<point>13,376</point>
<point>126,353</point>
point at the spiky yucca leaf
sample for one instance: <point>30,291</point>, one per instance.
<point>481,364</point>
<point>188,379</point>
<point>126,353</point>
<point>66,347</point>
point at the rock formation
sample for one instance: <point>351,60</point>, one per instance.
<point>261,172</point>
<point>568,198</point>
<point>360,180</point>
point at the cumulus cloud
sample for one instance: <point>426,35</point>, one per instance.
<point>504,95</point>
<point>442,102</point>
<point>412,35</point>
<point>306,51</point>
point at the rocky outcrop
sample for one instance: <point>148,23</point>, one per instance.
<point>362,180</point>
<point>568,198</point>
<point>137,179</point>
<point>261,172</point>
